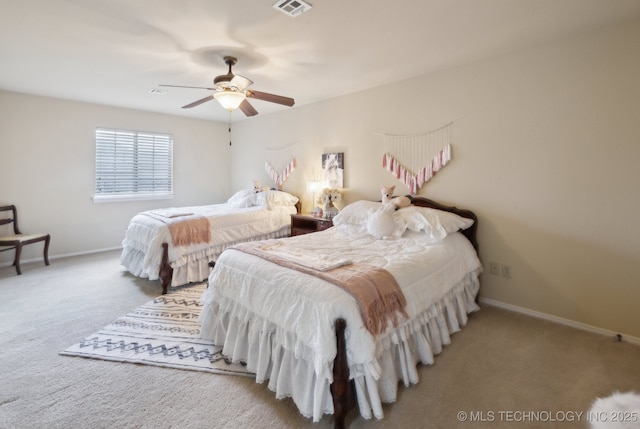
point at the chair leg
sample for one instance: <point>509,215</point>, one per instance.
<point>16,261</point>
<point>46,250</point>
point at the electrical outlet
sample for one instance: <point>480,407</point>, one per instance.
<point>506,271</point>
<point>494,268</point>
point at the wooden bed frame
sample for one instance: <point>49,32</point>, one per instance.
<point>342,390</point>
<point>166,272</point>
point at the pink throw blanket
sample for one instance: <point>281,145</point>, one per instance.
<point>193,230</point>
<point>190,231</point>
<point>376,291</point>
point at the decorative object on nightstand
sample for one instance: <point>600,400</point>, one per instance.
<point>328,197</point>
<point>305,224</point>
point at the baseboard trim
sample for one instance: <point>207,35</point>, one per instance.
<point>64,255</point>
<point>560,320</point>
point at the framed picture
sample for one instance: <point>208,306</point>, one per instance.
<point>333,169</point>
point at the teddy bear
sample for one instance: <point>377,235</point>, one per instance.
<point>388,198</point>
<point>257,188</point>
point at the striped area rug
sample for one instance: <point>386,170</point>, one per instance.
<point>163,332</point>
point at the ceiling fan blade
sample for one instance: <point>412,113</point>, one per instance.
<point>247,108</point>
<point>195,87</point>
<point>258,95</point>
<point>240,82</point>
<point>197,103</point>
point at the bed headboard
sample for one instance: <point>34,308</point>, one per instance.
<point>470,232</point>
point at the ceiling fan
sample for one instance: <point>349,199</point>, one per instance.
<point>231,92</point>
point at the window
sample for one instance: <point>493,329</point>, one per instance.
<point>133,165</point>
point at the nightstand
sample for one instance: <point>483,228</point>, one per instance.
<point>305,224</point>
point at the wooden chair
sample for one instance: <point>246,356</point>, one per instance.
<point>18,239</point>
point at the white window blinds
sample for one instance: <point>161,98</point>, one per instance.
<point>133,164</point>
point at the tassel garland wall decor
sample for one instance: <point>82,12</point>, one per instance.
<point>426,153</point>
<point>279,179</point>
<point>281,158</point>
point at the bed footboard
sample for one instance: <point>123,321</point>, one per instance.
<point>166,272</point>
<point>341,388</point>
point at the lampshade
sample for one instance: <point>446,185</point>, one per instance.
<point>229,99</point>
<point>314,186</point>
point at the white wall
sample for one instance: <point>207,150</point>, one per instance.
<point>546,146</point>
<point>47,159</point>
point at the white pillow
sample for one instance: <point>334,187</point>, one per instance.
<point>436,223</point>
<point>356,213</point>
<point>243,198</point>
<point>274,198</point>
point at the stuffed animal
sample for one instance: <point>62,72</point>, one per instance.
<point>380,223</point>
<point>257,188</point>
<point>388,198</point>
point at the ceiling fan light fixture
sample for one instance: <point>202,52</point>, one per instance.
<point>229,99</point>
<point>231,92</point>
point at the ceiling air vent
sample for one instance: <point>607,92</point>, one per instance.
<point>292,7</point>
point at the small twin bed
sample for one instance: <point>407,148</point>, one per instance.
<point>326,314</point>
<point>176,245</point>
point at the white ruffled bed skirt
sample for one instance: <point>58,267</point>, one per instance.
<point>274,353</point>
<point>193,267</point>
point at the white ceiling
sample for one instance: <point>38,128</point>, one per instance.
<point>113,52</point>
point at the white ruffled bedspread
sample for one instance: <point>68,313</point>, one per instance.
<point>282,326</point>
<point>142,245</point>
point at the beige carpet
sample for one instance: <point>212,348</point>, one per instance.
<point>501,368</point>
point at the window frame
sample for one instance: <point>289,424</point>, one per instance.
<point>141,155</point>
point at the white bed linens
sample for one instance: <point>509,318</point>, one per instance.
<point>288,336</point>
<point>142,245</point>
